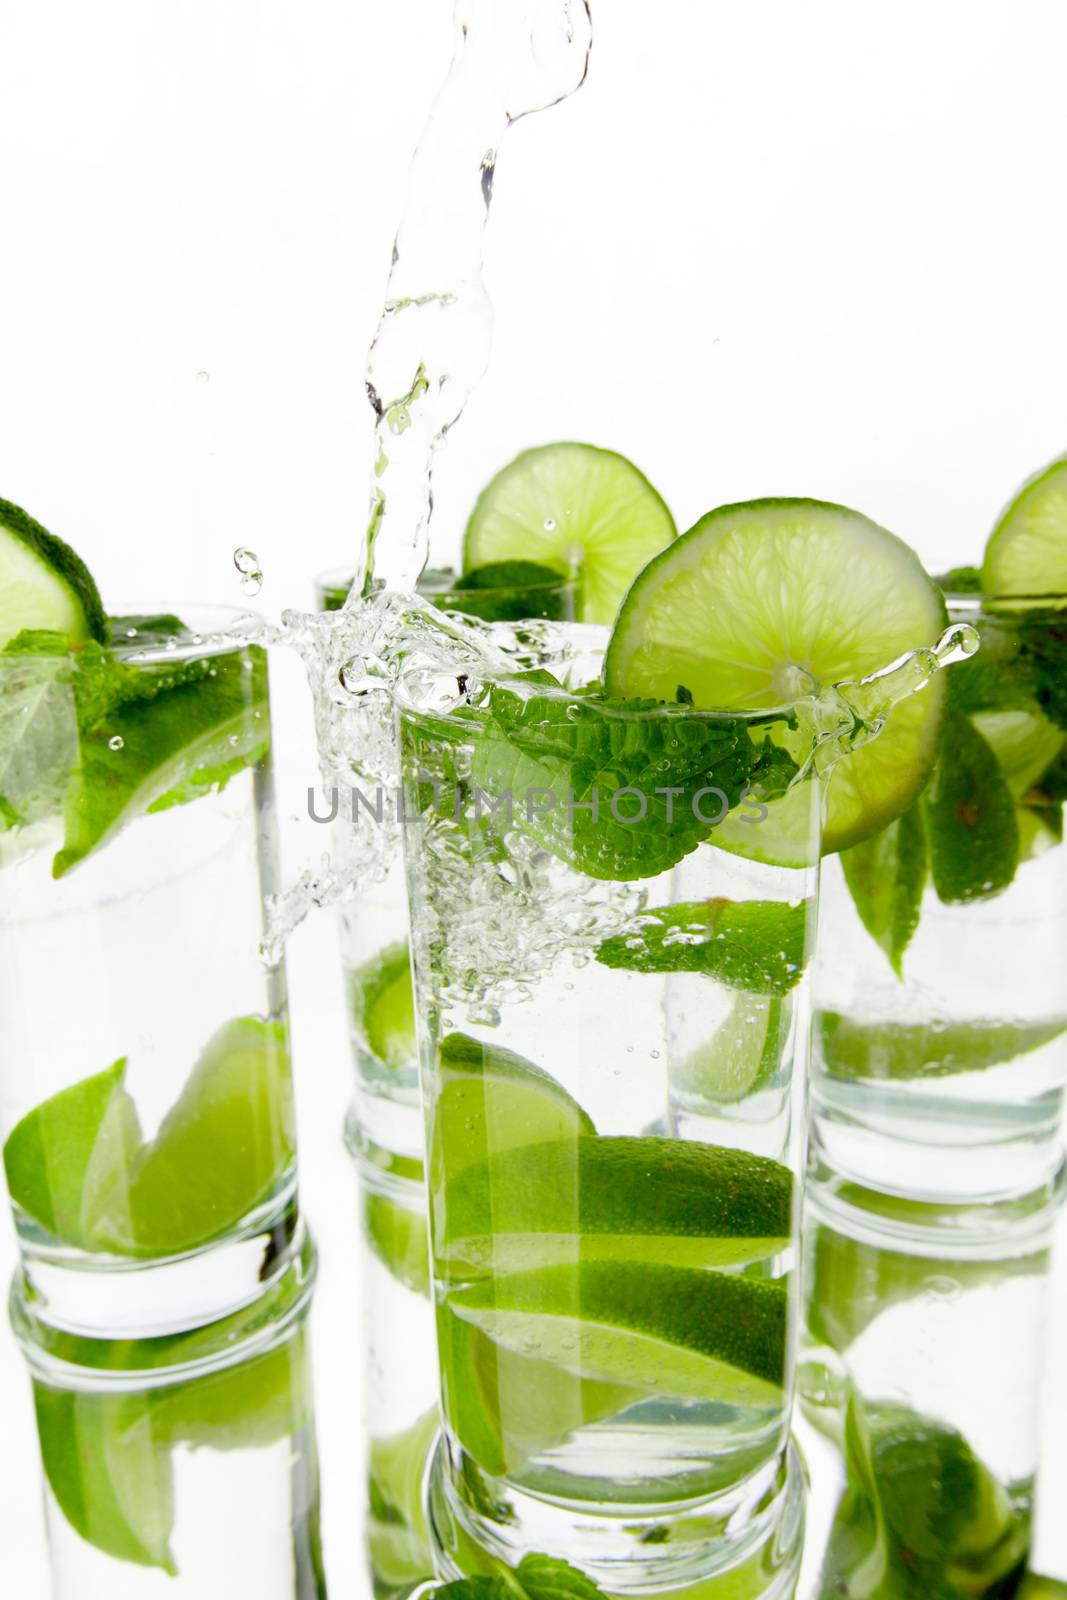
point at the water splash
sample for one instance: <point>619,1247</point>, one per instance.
<point>512,58</point>
<point>247,563</point>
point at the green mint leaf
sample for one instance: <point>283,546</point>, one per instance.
<point>1044,641</point>
<point>153,738</point>
<point>971,821</point>
<point>69,1146</point>
<point>38,736</point>
<point>961,580</point>
<point>756,945</point>
<point>886,876</point>
<point>144,630</point>
<point>508,591</point>
<point>565,761</point>
<point>1051,787</point>
<point>536,1577</point>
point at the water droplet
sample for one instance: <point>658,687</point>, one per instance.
<point>203,377</point>
<point>550,524</point>
<point>116,742</point>
<point>940,1287</point>
<point>247,563</point>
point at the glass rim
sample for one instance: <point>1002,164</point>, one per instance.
<point>337,578</point>
<point>208,630</point>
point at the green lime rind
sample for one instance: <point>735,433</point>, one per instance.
<point>43,583</point>
<point>490,1100</point>
<point>744,1055</point>
<point>756,605</point>
<point>382,1006</point>
<point>663,1201</point>
<point>906,1051</point>
<point>886,877</point>
<point>581,510</point>
<point>755,945</point>
<point>398,1540</point>
<point>682,1334</point>
<point>221,1149</point>
<point>1027,550</point>
<point>67,1148</point>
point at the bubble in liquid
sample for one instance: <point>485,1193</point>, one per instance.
<point>116,742</point>
<point>247,564</point>
<point>940,1287</point>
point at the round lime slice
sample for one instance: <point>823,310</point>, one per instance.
<point>1027,550</point>
<point>43,584</point>
<point>750,606</point>
<point>578,509</point>
<point>383,1007</point>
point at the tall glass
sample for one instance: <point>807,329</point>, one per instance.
<point>183,1465</point>
<point>375,953</point>
<point>146,1092</point>
<point>921,1369</point>
<point>615,1298</point>
<point>941,986</point>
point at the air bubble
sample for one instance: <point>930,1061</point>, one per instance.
<point>116,742</point>
<point>247,563</point>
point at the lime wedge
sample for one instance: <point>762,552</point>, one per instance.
<point>1027,550</point>
<point>220,1150</point>
<point>1025,743</point>
<point>397,1536</point>
<point>79,1141</point>
<point>490,1099</point>
<point>900,1050</point>
<point>742,1056</point>
<point>681,1334</point>
<point>244,1407</point>
<point>506,1406</point>
<point>110,1473</point>
<point>397,1235</point>
<point>578,509</point>
<point>43,584</point>
<point>383,1007</point>
<point>757,603</point>
<point>668,1201</point>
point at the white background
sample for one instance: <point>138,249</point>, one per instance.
<point>779,247</point>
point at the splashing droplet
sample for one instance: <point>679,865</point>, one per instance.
<point>247,564</point>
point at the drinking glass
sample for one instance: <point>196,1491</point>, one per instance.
<point>375,953</point>
<point>921,1372</point>
<point>940,1054</point>
<point>613,1268</point>
<point>146,1092</point>
<point>183,1464</point>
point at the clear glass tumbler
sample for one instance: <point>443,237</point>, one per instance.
<point>921,1371</point>
<point>375,950</point>
<point>615,1298</point>
<point>146,1093</point>
<point>940,1054</point>
<point>184,1465</point>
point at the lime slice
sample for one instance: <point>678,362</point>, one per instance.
<point>383,1007</point>
<point>490,1099</point>
<point>668,1201</point>
<point>1025,743</point>
<point>755,602</point>
<point>742,1056</point>
<point>684,1335</point>
<point>220,1150</point>
<point>244,1407</point>
<point>43,584</point>
<point>397,1235</point>
<point>110,1473</point>
<point>578,509</point>
<point>1027,550</point>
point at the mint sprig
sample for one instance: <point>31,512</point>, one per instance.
<point>970,817</point>
<point>536,1577</point>
<point>755,945</point>
<point>886,876</point>
<point>566,761</point>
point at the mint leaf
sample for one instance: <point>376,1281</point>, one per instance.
<point>152,738</point>
<point>508,591</point>
<point>564,762</point>
<point>536,1577</point>
<point>961,580</point>
<point>64,1149</point>
<point>886,876</point>
<point>971,821</point>
<point>1044,640</point>
<point>38,736</point>
<point>756,945</point>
